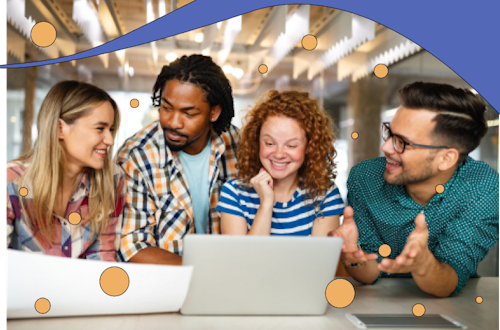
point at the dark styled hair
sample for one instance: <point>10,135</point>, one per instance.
<point>460,121</point>
<point>201,71</point>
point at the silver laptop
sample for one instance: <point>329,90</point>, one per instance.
<point>259,275</point>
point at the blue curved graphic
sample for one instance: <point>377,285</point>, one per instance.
<point>463,35</point>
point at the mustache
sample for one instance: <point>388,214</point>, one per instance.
<point>392,160</point>
<point>171,130</point>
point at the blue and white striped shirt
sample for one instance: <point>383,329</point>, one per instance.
<point>294,217</point>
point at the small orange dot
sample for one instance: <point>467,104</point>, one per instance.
<point>418,310</point>
<point>309,42</point>
<point>262,68</point>
<point>340,293</point>
<point>479,299</point>
<point>43,34</point>
<point>355,135</point>
<point>134,103</point>
<point>384,250</point>
<point>439,188</point>
<point>23,192</point>
<point>114,281</point>
<point>74,218</point>
<point>381,70</point>
<point>42,305</point>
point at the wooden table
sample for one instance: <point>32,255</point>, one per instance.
<point>387,296</point>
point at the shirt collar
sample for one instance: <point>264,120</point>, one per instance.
<point>83,188</point>
<point>167,156</point>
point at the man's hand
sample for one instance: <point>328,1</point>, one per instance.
<point>415,256</point>
<point>349,234</point>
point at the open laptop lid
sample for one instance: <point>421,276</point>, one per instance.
<point>259,275</point>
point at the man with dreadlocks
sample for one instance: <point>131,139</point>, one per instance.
<point>175,167</point>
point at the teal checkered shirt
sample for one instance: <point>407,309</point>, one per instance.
<point>462,221</point>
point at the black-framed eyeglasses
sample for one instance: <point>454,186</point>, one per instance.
<point>399,144</point>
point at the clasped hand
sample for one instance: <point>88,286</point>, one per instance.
<point>413,259</point>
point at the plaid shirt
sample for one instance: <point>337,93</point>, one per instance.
<point>72,241</point>
<point>158,209</point>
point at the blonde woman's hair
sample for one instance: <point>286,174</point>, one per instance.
<point>67,100</point>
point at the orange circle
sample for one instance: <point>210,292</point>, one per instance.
<point>340,293</point>
<point>114,281</point>
<point>134,103</point>
<point>23,192</point>
<point>355,135</point>
<point>384,250</point>
<point>43,34</point>
<point>439,188</point>
<point>74,218</point>
<point>418,310</point>
<point>479,299</point>
<point>309,42</point>
<point>262,68</point>
<point>42,305</point>
<point>381,70</point>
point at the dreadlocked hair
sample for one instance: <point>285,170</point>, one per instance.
<point>201,71</point>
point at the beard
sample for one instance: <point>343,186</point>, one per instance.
<point>406,179</point>
<point>176,146</point>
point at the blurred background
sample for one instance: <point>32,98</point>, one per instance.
<point>339,71</point>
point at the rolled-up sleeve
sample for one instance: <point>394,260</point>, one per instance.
<point>468,238</point>
<point>139,222</point>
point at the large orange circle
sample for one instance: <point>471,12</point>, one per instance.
<point>43,34</point>
<point>440,189</point>
<point>384,250</point>
<point>309,42</point>
<point>418,310</point>
<point>134,103</point>
<point>340,293</point>
<point>381,70</point>
<point>114,281</point>
<point>23,192</point>
<point>42,305</point>
<point>74,218</point>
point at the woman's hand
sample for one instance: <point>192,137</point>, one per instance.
<point>263,185</point>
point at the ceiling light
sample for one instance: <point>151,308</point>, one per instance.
<point>171,57</point>
<point>219,24</point>
<point>199,37</point>
<point>131,71</point>
<point>227,69</point>
<point>238,73</point>
<point>13,119</point>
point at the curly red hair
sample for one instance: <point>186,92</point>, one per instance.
<point>318,170</point>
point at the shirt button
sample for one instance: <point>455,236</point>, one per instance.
<point>66,248</point>
<point>65,223</point>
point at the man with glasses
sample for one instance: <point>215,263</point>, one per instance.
<point>426,206</point>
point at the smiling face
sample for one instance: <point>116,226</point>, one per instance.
<point>186,116</point>
<point>415,164</point>
<point>282,147</point>
<point>87,139</point>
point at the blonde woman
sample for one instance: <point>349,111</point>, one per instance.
<point>66,195</point>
